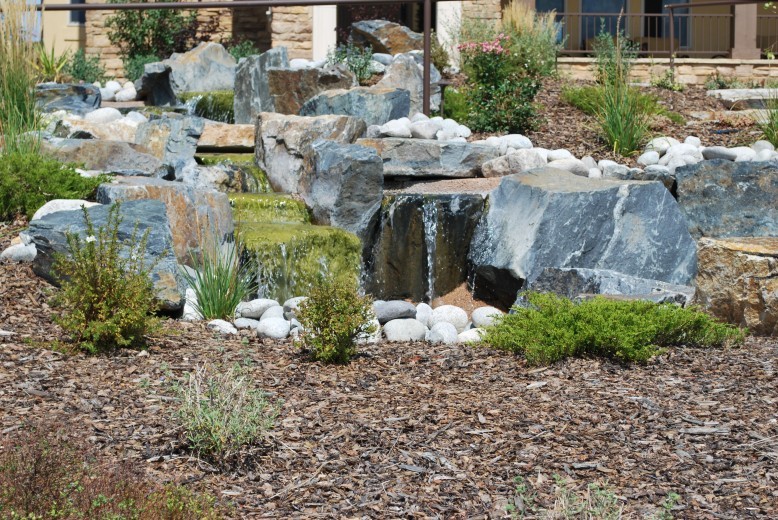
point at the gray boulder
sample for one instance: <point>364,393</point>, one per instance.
<point>114,157</point>
<point>573,283</point>
<point>342,185</point>
<point>718,152</point>
<point>285,142</point>
<point>290,88</point>
<point>729,199</point>
<point>192,213</point>
<point>205,68</point>
<point>49,236</point>
<point>394,310</point>
<point>402,330</point>
<point>154,86</point>
<point>252,92</point>
<point>254,309</point>
<point>173,140</point>
<point>273,328</point>
<point>430,158</point>
<point>405,73</point>
<point>387,37</point>
<point>551,218</point>
<point>373,105</point>
<point>78,99</point>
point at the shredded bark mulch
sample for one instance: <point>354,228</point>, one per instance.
<point>413,430</point>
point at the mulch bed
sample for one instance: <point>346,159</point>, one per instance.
<point>413,430</point>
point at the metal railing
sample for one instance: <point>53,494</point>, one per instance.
<point>194,6</point>
<point>702,35</point>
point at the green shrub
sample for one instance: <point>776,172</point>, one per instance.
<point>85,68</point>
<point>589,99</point>
<point>535,38</point>
<point>505,107</point>
<point>242,49</point>
<point>333,317</point>
<point>667,81</point>
<point>28,181</point>
<point>455,104</point>
<point>134,65</point>
<point>718,82</point>
<point>551,328</point>
<point>769,124</point>
<point>358,60</point>
<point>157,32</point>
<point>222,414</point>
<point>221,281</point>
<point>42,475</point>
<point>107,295</point>
<point>216,105</point>
<point>622,118</point>
<point>18,112</point>
<point>614,56</point>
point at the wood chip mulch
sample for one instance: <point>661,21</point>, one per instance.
<point>412,430</point>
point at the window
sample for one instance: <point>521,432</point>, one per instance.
<point>78,17</point>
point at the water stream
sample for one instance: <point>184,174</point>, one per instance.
<point>429,215</point>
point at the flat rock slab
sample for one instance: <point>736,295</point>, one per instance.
<point>553,218</point>
<point>737,281</point>
<point>744,98</point>
<point>49,234</point>
<point>721,198</point>
<point>428,158</point>
<point>106,156</point>
<point>226,138</point>
<point>193,214</point>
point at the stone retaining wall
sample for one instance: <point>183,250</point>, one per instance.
<point>688,70</point>
<point>292,27</point>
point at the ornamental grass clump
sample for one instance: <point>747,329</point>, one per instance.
<point>223,416</point>
<point>107,297</point>
<point>549,328</point>
<point>333,317</point>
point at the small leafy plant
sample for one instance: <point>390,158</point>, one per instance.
<point>107,296</point>
<point>667,82</point>
<point>220,280</point>
<point>222,414</point>
<point>49,65</point>
<point>241,49</point>
<point>29,180</point>
<point>333,317</point>
<point>357,59</point>
<point>550,328</point>
<point>45,475</point>
<point>81,67</point>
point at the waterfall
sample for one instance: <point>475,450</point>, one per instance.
<point>429,214</point>
<point>191,105</point>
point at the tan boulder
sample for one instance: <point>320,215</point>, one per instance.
<point>737,281</point>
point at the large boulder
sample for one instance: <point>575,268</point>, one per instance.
<point>574,282</point>
<point>78,99</point>
<point>290,88</point>
<point>50,239</point>
<point>252,92</point>
<point>430,158</point>
<point>173,140</point>
<point>553,218</point>
<point>285,141</point>
<point>387,37</point>
<point>373,105</point>
<point>193,214</point>
<point>343,186</point>
<point>106,156</point>
<point>737,281</point>
<point>154,86</point>
<point>729,199</point>
<point>405,72</point>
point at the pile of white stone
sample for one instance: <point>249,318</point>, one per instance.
<point>395,321</point>
<point>104,123</point>
<point>421,127</point>
<point>115,91</point>
<point>378,64</point>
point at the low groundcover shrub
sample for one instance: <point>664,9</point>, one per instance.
<point>551,328</point>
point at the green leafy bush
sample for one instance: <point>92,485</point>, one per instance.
<point>220,281</point>
<point>357,59</point>
<point>134,65</point>
<point>614,55</point>
<point>718,81</point>
<point>45,475</point>
<point>667,81</point>
<point>81,67</point>
<point>242,49</point>
<point>222,414</point>
<point>49,65</point>
<point>28,181</point>
<point>107,296</point>
<point>455,104</point>
<point>551,328</point>
<point>589,99</point>
<point>216,105</point>
<point>333,317</point>
<point>622,118</point>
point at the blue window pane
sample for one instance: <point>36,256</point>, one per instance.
<point>78,17</point>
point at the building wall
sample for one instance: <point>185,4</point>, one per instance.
<point>292,27</point>
<point>60,34</point>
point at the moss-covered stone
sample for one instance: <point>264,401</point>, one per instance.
<point>292,257</point>
<point>216,105</point>
<point>275,208</point>
<point>254,179</point>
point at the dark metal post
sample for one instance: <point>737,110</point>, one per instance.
<point>672,43</point>
<point>427,91</point>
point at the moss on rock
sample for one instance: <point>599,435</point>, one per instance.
<point>216,105</point>
<point>254,179</point>
<point>292,257</point>
<point>274,208</point>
